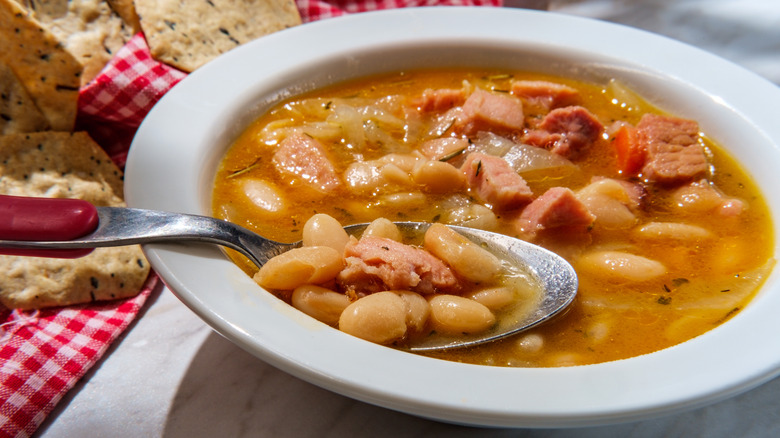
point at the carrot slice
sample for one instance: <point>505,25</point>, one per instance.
<point>630,152</point>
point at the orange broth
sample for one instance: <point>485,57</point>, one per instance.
<point>708,281</point>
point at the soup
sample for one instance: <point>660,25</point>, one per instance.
<point>668,235</point>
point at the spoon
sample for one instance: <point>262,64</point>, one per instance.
<point>70,228</point>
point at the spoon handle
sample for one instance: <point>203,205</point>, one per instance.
<point>64,228</point>
<point>29,219</point>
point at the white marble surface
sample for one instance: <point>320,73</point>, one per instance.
<point>171,376</point>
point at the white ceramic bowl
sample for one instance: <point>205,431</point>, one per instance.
<point>175,153</point>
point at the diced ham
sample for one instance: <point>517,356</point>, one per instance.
<point>376,264</point>
<point>558,207</point>
<point>673,153</point>
<point>495,182</point>
<point>566,131</point>
<point>303,157</point>
<point>440,99</point>
<point>544,94</point>
<point>486,111</point>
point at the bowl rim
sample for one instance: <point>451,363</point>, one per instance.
<point>172,153</point>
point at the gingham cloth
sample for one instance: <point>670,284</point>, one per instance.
<point>44,353</point>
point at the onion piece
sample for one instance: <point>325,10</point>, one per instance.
<point>521,157</point>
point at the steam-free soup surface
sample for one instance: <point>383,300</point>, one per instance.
<point>668,235</point>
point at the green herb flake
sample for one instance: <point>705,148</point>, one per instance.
<point>728,315</point>
<point>452,154</point>
<point>449,125</point>
<point>239,172</point>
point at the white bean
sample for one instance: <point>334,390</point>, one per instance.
<point>730,255</point>
<point>456,314</point>
<point>263,194</point>
<point>417,310</point>
<point>610,213</point>
<point>320,303</point>
<point>621,266</point>
<point>530,343</point>
<point>439,177</point>
<point>299,266</point>
<point>362,177</point>
<point>403,200</point>
<point>565,360</point>
<point>390,173</point>
<point>598,331</point>
<point>673,231</point>
<point>379,317</point>
<point>697,197</point>
<point>464,256</point>
<point>324,230</point>
<point>366,176</point>
<point>609,200</point>
<point>474,216</point>
<point>382,227</point>
<point>406,162</point>
<point>494,298</point>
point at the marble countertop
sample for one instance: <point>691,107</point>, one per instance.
<point>171,376</point>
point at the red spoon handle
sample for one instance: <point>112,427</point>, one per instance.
<point>42,219</point>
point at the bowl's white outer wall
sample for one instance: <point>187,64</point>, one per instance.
<point>175,153</point>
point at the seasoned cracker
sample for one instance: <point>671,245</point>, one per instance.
<point>49,73</point>
<point>189,33</point>
<point>18,112</point>
<point>89,29</point>
<point>126,10</point>
<point>65,165</point>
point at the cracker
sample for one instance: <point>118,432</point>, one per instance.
<point>89,29</point>
<point>49,73</point>
<point>126,10</point>
<point>65,165</point>
<point>18,112</point>
<point>189,33</point>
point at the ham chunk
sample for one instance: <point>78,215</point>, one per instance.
<point>486,111</point>
<point>673,153</point>
<point>303,158</point>
<point>544,94</point>
<point>558,207</point>
<point>376,264</point>
<point>440,99</point>
<point>566,131</point>
<point>495,182</point>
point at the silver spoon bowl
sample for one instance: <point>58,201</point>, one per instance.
<point>118,226</point>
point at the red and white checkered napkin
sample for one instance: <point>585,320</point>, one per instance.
<point>43,354</point>
<point>313,10</point>
<point>113,104</point>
